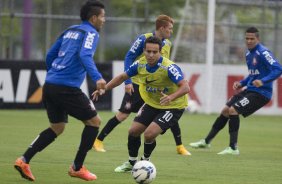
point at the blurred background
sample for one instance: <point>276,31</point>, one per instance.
<point>29,27</point>
<point>208,39</point>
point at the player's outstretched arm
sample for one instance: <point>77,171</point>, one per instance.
<point>110,85</point>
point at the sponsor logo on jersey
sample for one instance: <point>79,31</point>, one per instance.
<point>151,89</point>
<point>174,71</point>
<point>71,35</point>
<point>254,72</point>
<point>268,57</point>
<point>89,40</point>
<point>135,45</point>
<point>149,81</point>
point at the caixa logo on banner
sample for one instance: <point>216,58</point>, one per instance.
<point>23,86</point>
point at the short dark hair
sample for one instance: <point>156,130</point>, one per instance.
<point>253,30</point>
<point>90,8</point>
<point>153,39</point>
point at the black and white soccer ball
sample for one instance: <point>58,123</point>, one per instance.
<point>144,172</point>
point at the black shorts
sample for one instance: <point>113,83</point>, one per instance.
<point>61,101</point>
<point>247,102</point>
<point>165,118</point>
<point>133,102</point>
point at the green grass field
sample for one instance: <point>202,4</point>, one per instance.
<point>260,161</point>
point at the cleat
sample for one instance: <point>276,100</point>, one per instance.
<point>200,144</point>
<point>99,146</point>
<point>229,151</point>
<point>83,173</point>
<point>147,159</point>
<point>180,149</point>
<point>125,167</point>
<point>24,169</point>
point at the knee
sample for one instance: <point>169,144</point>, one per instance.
<point>121,116</point>
<point>58,128</point>
<point>232,111</point>
<point>225,111</point>
<point>133,132</point>
<point>95,121</point>
<point>149,136</point>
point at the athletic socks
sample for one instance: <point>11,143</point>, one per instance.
<point>148,149</point>
<point>111,124</point>
<point>88,136</point>
<point>45,138</point>
<point>219,124</point>
<point>133,145</point>
<point>175,129</point>
<point>234,124</point>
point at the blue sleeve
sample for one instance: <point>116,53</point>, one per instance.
<point>133,53</point>
<point>175,74</point>
<point>245,81</point>
<point>53,52</point>
<point>132,70</point>
<point>87,51</point>
<point>273,65</point>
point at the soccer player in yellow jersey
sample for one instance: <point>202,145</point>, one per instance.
<point>132,100</point>
<point>164,90</point>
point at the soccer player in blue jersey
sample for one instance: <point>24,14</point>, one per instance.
<point>68,61</point>
<point>256,91</point>
<point>164,90</point>
<point>132,100</point>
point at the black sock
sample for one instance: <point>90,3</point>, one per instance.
<point>234,124</point>
<point>175,129</point>
<point>41,141</point>
<point>219,124</point>
<point>133,145</point>
<point>88,136</point>
<point>111,124</point>
<point>148,148</point>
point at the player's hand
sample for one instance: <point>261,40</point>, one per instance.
<point>100,84</point>
<point>97,93</point>
<point>129,89</point>
<point>257,83</point>
<point>165,99</point>
<point>237,85</point>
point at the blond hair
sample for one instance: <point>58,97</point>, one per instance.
<point>163,20</point>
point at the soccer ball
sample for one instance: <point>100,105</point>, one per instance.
<point>144,172</point>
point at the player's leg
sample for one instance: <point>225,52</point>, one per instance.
<point>130,103</point>
<point>108,128</point>
<point>133,145</point>
<point>88,136</point>
<point>144,117</point>
<point>218,125</point>
<point>163,120</point>
<point>57,117</point>
<point>180,149</point>
<point>247,105</point>
<point>87,114</point>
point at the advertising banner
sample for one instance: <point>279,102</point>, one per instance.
<point>21,85</point>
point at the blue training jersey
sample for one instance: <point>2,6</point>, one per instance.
<point>263,66</point>
<point>71,56</point>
